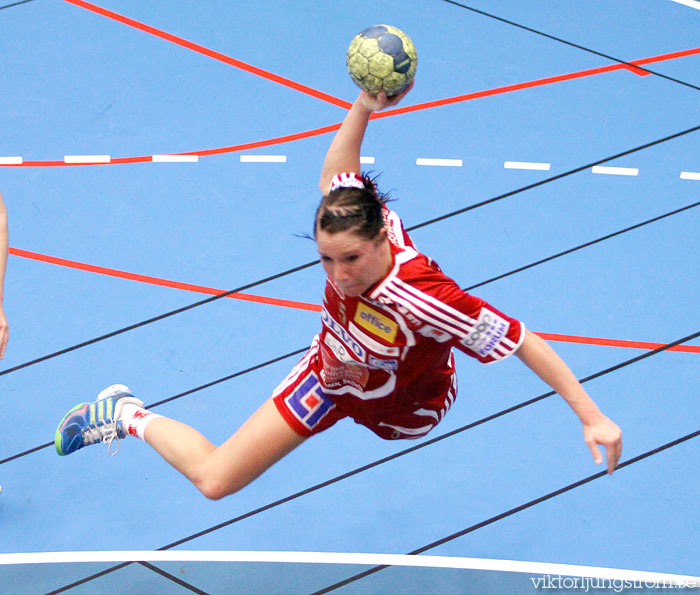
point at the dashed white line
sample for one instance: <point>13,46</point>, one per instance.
<point>615,171</point>
<point>365,160</point>
<point>439,162</point>
<point>175,158</point>
<point>527,165</point>
<point>263,158</point>
<point>87,159</point>
<point>690,3</point>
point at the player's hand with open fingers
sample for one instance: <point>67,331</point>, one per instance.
<point>604,432</point>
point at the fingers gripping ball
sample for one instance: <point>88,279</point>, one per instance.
<point>382,58</point>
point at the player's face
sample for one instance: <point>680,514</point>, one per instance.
<point>352,262</point>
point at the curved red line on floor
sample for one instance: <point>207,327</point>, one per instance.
<point>385,114</point>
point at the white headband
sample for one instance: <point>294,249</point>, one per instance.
<point>346,180</point>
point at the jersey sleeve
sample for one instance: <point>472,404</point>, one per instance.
<point>442,311</point>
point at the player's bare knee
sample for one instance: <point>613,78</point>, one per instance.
<point>214,485</point>
<point>213,489</point>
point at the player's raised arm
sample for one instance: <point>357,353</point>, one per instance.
<point>344,152</point>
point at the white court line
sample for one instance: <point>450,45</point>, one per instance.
<point>527,165</point>
<point>690,175</point>
<point>87,159</point>
<point>349,558</point>
<point>616,171</point>
<point>10,161</point>
<point>175,158</point>
<point>263,158</point>
<point>367,160</point>
<point>690,3</point>
<point>439,162</point>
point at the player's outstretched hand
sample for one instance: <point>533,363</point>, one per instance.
<point>379,102</point>
<point>607,434</point>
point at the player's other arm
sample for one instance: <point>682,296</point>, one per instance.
<point>344,153</point>
<point>597,428</point>
<point>4,327</point>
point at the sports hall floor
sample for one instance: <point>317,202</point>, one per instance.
<point>566,193</point>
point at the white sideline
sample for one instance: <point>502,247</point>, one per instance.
<point>347,558</point>
<point>690,3</point>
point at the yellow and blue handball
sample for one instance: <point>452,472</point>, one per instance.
<point>382,58</point>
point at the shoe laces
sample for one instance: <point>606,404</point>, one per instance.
<point>106,433</point>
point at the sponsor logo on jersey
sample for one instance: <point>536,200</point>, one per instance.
<point>486,333</point>
<point>389,226</point>
<point>385,364</point>
<point>343,334</point>
<point>339,350</point>
<point>371,344</point>
<point>432,333</point>
<point>308,403</point>
<point>375,322</point>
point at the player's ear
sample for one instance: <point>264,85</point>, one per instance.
<point>381,236</point>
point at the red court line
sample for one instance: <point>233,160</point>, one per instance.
<point>617,342</point>
<point>306,306</point>
<point>384,114</point>
<point>210,53</point>
<point>539,83</point>
<point>162,282</point>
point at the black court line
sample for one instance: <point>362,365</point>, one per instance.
<point>302,350</point>
<point>188,392</point>
<point>584,245</point>
<point>315,262</point>
<point>382,461</point>
<point>572,44</point>
<point>15,4</point>
<point>511,512</point>
<point>172,578</point>
<point>157,318</point>
<point>554,178</point>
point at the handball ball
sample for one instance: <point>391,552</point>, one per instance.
<point>382,58</point>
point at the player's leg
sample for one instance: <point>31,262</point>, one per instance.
<point>297,409</point>
<point>219,471</point>
<point>216,471</point>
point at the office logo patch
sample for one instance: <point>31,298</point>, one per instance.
<point>375,322</point>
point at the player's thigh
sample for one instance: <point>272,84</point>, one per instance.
<point>259,443</point>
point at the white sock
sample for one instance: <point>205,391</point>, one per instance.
<point>135,419</point>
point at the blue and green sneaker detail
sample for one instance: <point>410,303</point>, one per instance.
<point>90,423</point>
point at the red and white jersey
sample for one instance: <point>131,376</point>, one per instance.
<point>391,347</point>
